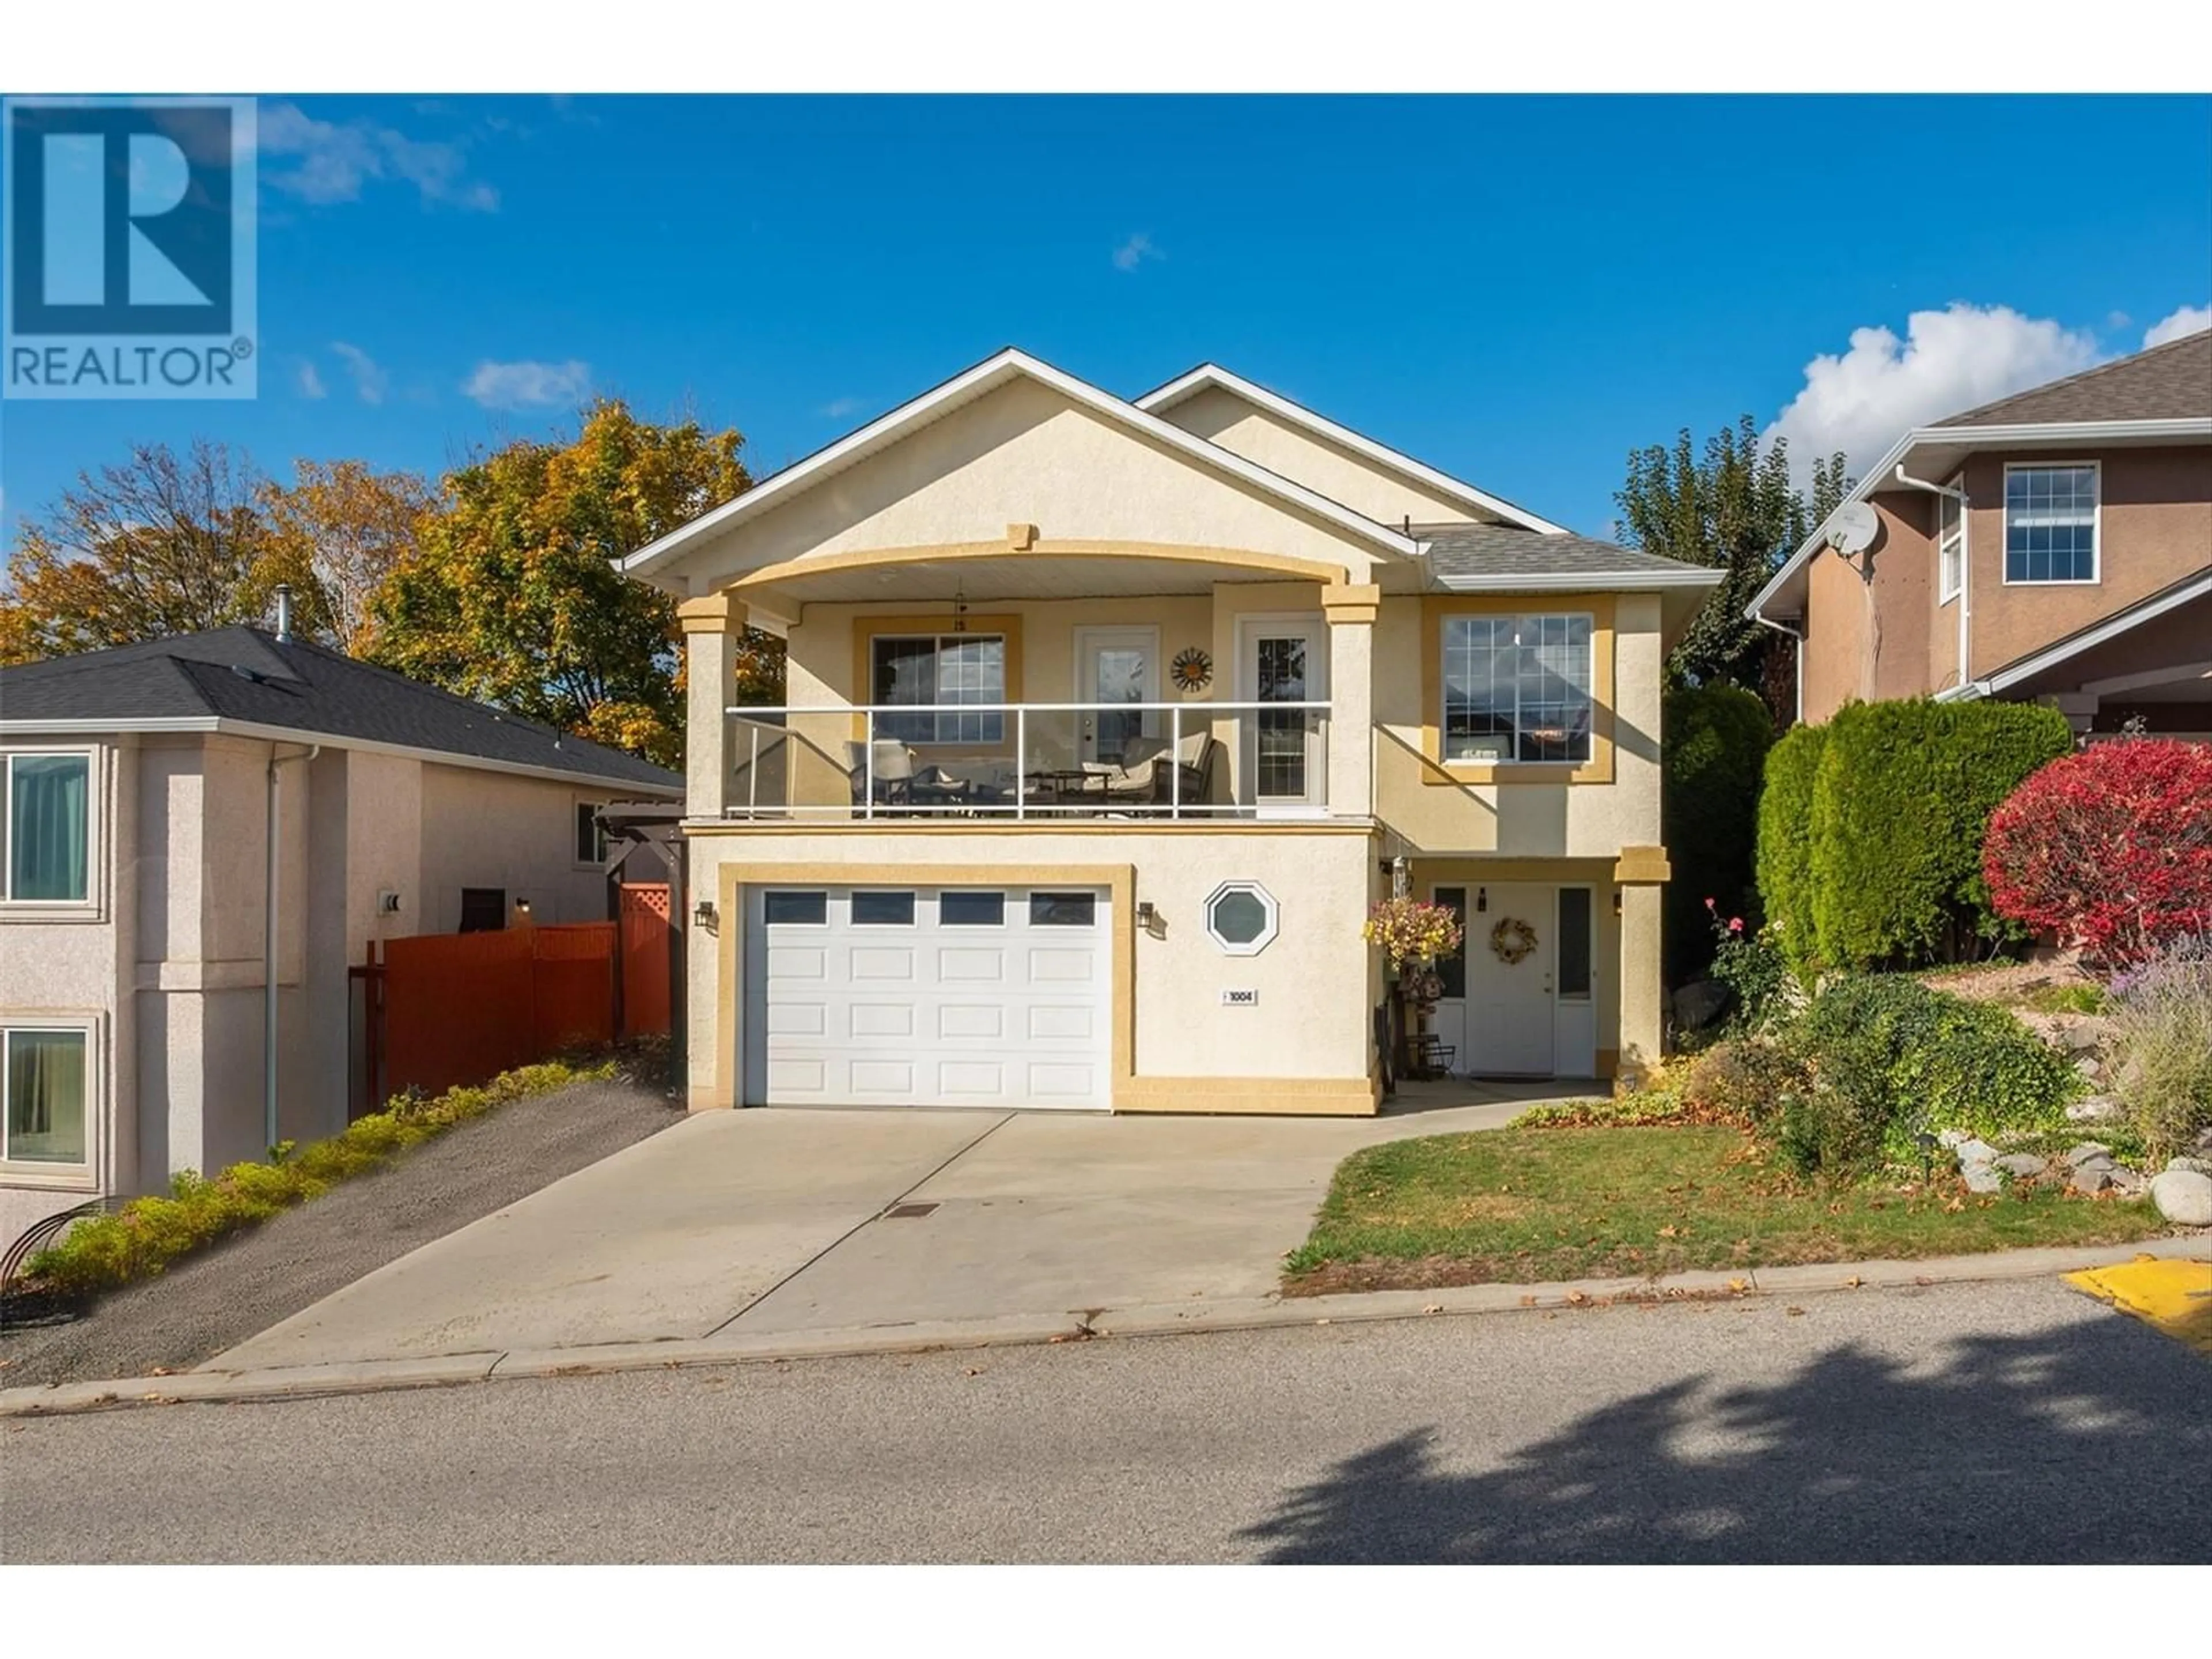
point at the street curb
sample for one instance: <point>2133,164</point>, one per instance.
<point>1237,1314</point>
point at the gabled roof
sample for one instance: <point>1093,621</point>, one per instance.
<point>2172,381</point>
<point>1208,376</point>
<point>247,681</point>
<point>1494,556</point>
<point>2172,597</point>
<point>1001,369</point>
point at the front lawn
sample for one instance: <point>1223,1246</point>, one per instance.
<point>1535,1206</point>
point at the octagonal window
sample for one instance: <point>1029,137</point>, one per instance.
<point>1241,918</point>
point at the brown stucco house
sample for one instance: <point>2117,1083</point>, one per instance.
<point>2055,546</point>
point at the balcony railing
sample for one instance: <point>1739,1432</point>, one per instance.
<point>1030,760</point>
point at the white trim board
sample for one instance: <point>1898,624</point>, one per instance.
<point>2111,629</point>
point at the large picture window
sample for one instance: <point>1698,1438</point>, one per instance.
<point>49,828</point>
<point>42,1118</point>
<point>2051,524</point>
<point>930,671</point>
<point>1517,689</point>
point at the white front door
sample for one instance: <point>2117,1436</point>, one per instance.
<point>1510,1004</point>
<point>980,995</point>
<point>1115,666</point>
<point>1283,659</point>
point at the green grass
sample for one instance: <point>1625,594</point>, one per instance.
<point>2075,999</point>
<point>1531,1206</point>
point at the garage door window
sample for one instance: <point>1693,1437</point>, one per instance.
<point>972,910</point>
<point>882,909</point>
<point>1063,909</point>
<point>797,909</point>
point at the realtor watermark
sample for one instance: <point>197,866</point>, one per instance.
<point>128,270</point>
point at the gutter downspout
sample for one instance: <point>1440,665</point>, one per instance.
<point>273,821</point>
<point>1966,561</point>
<point>1797,664</point>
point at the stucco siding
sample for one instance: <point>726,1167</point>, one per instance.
<point>482,829</point>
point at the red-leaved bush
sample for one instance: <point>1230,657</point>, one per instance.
<point>2111,848</point>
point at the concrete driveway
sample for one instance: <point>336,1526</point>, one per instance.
<point>781,1221</point>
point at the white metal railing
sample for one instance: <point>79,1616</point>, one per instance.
<point>1028,760</point>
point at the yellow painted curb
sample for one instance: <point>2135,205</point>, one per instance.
<point>2174,1296</point>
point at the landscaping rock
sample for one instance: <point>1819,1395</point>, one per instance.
<point>2075,1157</point>
<point>2090,1180</point>
<point>1699,1003</point>
<point>2095,1108</point>
<point>2197,1165</point>
<point>1982,1178</point>
<point>2089,1066</point>
<point>1952,1139</point>
<point>2023,1166</point>
<point>1975,1151</point>
<point>2184,1197</point>
<point>2128,1182</point>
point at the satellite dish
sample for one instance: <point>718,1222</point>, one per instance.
<point>1853,528</point>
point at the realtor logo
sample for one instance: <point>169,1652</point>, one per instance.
<point>129,266</point>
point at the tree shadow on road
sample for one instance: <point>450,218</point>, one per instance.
<point>2088,1442</point>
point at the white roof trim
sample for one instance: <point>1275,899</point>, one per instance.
<point>2111,629</point>
<point>2017,436</point>
<point>987,376</point>
<point>212,724</point>
<point>1207,375</point>
<point>1568,581</point>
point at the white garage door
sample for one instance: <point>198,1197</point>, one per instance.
<point>926,996</point>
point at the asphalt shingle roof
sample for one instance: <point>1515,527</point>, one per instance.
<point>2170,382</point>
<point>1498,550</point>
<point>247,674</point>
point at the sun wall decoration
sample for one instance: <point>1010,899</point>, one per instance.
<point>1193,670</point>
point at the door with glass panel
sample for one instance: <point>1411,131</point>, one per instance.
<point>1284,661</point>
<point>1115,666</point>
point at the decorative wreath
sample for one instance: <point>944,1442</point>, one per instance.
<point>1193,670</point>
<point>1512,940</point>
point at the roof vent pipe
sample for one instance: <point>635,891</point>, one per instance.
<point>284,612</point>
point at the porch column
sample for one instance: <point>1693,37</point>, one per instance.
<point>1640,877</point>
<point>711,628</point>
<point>1350,610</point>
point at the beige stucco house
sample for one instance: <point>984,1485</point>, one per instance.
<point>2054,546</point>
<point>140,788</point>
<point>1107,722</point>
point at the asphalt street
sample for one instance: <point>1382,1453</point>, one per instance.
<point>2018,1422</point>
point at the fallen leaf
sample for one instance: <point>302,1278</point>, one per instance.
<point>1528,1301</point>
<point>1670,1232</point>
<point>1794,1312</point>
<point>1738,1287</point>
<point>1434,1307</point>
<point>975,1370</point>
<point>1576,1298</point>
<point>1323,1321</point>
<point>1854,1282</point>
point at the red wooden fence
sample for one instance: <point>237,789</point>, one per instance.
<point>645,923</point>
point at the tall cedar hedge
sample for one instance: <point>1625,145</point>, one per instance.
<point>1901,794</point>
<point>1785,842</point>
<point>1716,745</point>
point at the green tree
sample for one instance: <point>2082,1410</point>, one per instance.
<point>511,595</point>
<point>161,544</point>
<point>1715,751</point>
<point>1733,508</point>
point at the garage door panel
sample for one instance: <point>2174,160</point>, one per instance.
<point>924,1013</point>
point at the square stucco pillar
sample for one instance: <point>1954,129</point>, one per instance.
<point>1350,610</point>
<point>1641,874</point>
<point>711,626</point>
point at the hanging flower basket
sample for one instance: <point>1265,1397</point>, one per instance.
<point>1411,930</point>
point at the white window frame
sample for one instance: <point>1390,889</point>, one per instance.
<point>1951,551</point>
<point>95,835</point>
<point>939,711</point>
<point>60,1177</point>
<point>601,839</point>
<point>2096,575</point>
<point>1444,687</point>
<point>1269,926</point>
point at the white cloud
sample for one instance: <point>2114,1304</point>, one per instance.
<point>335,162</point>
<point>370,381</point>
<point>528,385</point>
<point>310,382</point>
<point>2190,320</point>
<point>1134,252</point>
<point>1949,361</point>
<point>838,408</point>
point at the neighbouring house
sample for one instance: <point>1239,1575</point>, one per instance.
<point>141,787</point>
<point>2052,547</point>
<point>1108,721</point>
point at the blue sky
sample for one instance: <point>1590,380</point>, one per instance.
<point>1517,290</point>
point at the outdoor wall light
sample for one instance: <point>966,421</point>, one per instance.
<point>702,914</point>
<point>1147,912</point>
<point>1481,899</point>
<point>1616,901</point>
<point>522,908</point>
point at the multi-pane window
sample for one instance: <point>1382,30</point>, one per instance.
<point>49,828</point>
<point>591,833</point>
<point>1517,688</point>
<point>42,1120</point>
<point>1950,546</point>
<point>2051,524</point>
<point>932,671</point>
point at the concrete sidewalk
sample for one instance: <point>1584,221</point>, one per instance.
<point>773,1223</point>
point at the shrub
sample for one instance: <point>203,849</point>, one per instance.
<point>1902,1059</point>
<point>1751,964</point>
<point>2161,1058</point>
<point>2109,848</point>
<point>1901,802</point>
<point>1746,1081</point>
<point>147,1234</point>
<point>1715,746</point>
<point>1785,843</point>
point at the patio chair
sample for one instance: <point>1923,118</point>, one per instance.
<point>894,772</point>
<point>1194,759</point>
<point>1131,780</point>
